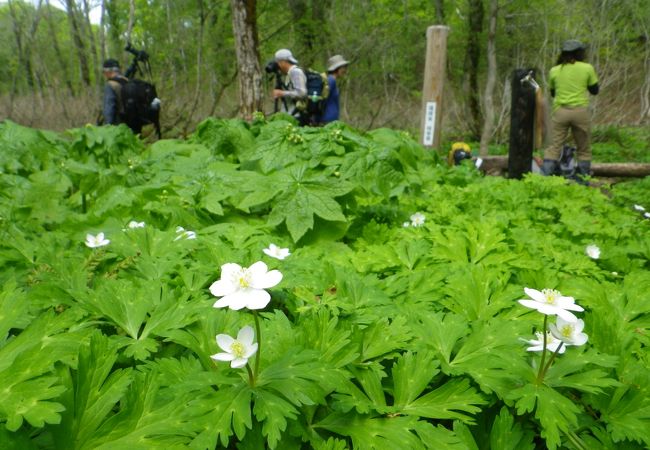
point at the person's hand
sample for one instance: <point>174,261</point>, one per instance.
<point>277,93</point>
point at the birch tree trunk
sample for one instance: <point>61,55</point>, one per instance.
<point>488,97</point>
<point>63,67</point>
<point>244,24</point>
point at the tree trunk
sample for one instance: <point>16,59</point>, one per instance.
<point>88,27</point>
<point>440,11</point>
<point>63,67</point>
<point>129,28</point>
<point>77,39</point>
<point>473,59</point>
<point>244,21</point>
<point>488,124</point>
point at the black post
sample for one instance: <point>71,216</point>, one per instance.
<point>522,125</point>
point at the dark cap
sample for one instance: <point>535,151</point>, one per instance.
<point>572,45</point>
<point>111,64</point>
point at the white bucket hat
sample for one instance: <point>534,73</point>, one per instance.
<point>285,55</point>
<point>335,62</point>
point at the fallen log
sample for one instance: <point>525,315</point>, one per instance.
<point>498,165</point>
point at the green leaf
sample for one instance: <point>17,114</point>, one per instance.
<point>95,389</point>
<point>272,411</point>
<point>508,435</point>
<point>372,432</point>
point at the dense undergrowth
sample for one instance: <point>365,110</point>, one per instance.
<point>389,329</point>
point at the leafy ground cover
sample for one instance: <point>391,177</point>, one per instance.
<point>143,306</point>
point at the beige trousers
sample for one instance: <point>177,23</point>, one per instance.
<point>578,120</point>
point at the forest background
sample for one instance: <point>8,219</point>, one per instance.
<point>51,54</point>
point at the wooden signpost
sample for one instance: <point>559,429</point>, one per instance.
<point>434,78</point>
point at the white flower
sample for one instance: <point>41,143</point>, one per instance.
<point>244,287</point>
<point>133,224</point>
<point>96,241</point>
<point>276,252</point>
<point>552,344</point>
<point>417,219</point>
<point>183,233</point>
<point>237,351</point>
<point>406,224</point>
<point>569,332</point>
<point>552,303</point>
<point>639,208</point>
<point>592,251</point>
<point>646,215</point>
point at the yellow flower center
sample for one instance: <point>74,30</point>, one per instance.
<point>243,279</point>
<point>237,349</point>
<point>566,331</point>
<point>550,295</point>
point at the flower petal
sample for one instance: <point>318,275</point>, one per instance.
<point>246,336</point>
<point>267,280</point>
<point>222,287</point>
<point>222,357</point>
<point>222,302</point>
<point>240,299</point>
<point>250,351</point>
<point>238,363</point>
<point>230,270</point>
<point>257,299</point>
<point>536,295</point>
<point>225,342</point>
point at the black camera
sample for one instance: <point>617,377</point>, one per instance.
<point>140,55</point>
<point>272,67</point>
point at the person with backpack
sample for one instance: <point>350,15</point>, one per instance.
<point>292,91</point>
<point>113,106</point>
<point>571,81</point>
<point>336,68</point>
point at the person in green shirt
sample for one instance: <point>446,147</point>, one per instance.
<point>571,81</point>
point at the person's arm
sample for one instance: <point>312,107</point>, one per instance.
<point>110,106</point>
<point>299,82</point>
<point>593,89</point>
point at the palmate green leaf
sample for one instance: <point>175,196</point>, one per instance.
<point>412,373</point>
<point>508,435</point>
<point>279,145</point>
<point>626,409</point>
<point>272,411</point>
<point>577,371</point>
<point>438,437</point>
<point>30,387</point>
<point>375,433</point>
<point>94,389</point>
<point>556,413</point>
<point>367,394</point>
<point>441,333</point>
<point>13,309</point>
<point>225,412</point>
<point>321,331</point>
<point>455,399</point>
<point>383,337</point>
<point>305,196</point>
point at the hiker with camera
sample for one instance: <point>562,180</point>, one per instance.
<point>292,83</point>
<point>127,99</point>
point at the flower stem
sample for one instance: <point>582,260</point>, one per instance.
<point>258,332</point>
<point>552,358</point>
<point>540,372</point>
<point>251,377</point>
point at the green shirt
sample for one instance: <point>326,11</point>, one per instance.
<point>570,83</point>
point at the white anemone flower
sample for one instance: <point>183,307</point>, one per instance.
<point>569,332</point>
<point>592,251</point>
<point>639,208</point>
<point>183,233</point>
<point>552,344</point>
<point>276,252</point>
<point>96,241</point>
<point>417,219</point>
<point>237,351</point>
<point>406,224</point>
<point>551,303</point>
<point>242,287</point>
<point>646,215</point>
<point>134,224</point>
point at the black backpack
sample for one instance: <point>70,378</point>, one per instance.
<point>141,105</point>
<point>318,90</point>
